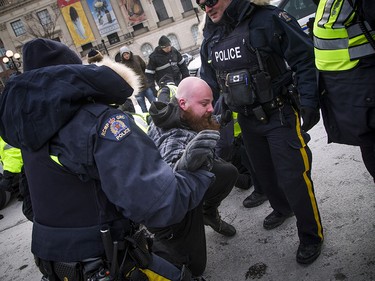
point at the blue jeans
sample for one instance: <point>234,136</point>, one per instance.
<point>148,93</point>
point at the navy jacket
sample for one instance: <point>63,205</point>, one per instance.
<point>64,110</point>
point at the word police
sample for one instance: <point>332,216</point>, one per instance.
<point>228,54</point>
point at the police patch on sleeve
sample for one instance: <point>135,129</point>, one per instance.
<point>284,15</point>
<point>115,127</point>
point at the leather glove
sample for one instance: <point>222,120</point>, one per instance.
<point>310,117</point>
<point>199,153</point>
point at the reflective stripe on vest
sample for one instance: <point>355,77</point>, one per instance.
<point>339,43</point>
<point>141,121</point>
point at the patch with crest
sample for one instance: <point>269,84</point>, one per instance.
<point>115,127</point>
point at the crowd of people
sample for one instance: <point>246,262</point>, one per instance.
<point>112,192</point>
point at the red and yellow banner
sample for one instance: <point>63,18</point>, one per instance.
<point>76,21</point>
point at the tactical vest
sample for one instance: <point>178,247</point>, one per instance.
<point>68,212</point>
<point>338,37</point>
<point>242,64</point>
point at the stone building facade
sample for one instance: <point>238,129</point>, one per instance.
<point>106,25</point>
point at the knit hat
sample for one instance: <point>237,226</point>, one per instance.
<point>164,41</point>
<point>42,52</point>
<point>94,56</point>
<point>124,49</point>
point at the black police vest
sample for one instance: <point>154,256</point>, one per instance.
<point>68,213</point>
<point>232,52</point>
<point>245,54</point>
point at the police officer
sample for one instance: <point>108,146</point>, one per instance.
<point>166,59</point>
<point>345,58</point>
<point>243,53</point>
<point>93,174</point>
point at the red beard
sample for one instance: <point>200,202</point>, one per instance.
<point>199,123</point>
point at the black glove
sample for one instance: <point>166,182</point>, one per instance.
<point>225,117</point>
<point>9,181</point>
<point>310,117</point>
<point>199,153</point>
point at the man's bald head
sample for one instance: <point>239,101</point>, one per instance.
<point>192,86</point>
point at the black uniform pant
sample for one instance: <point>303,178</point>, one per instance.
<point>226,175</point>
<point>348,108</point>
<point>282,163</point>
<point>184,243</point>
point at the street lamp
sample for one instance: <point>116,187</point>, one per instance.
<point>12,60</point>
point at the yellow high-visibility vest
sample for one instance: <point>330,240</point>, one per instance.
<point>11,157</point>
<point>172,91</point>
<point>141,120</point>
<point>339,42</point>
<point>236,129</point>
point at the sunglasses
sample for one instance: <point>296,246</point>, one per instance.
<point>208,3</point>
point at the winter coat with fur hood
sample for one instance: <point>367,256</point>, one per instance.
<point>107,170</point>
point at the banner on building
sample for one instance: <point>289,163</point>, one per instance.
<point>104,16</point>
<point>134,12</point>
<point>76,20</point>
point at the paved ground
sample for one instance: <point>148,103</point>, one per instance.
<point>346,197</point>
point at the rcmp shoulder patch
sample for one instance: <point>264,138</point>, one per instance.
<point>285,16</point>
<point>115,127</point>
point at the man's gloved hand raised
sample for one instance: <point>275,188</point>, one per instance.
<point>310,117</point>
<point>199,153</point>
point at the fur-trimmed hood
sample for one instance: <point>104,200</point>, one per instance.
<point>261,2</point>
<point>124,71</point>
<point>36,104</point>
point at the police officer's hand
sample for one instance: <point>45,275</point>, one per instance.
<point>310,117</point>
<point>199,153</point>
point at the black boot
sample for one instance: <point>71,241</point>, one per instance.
<point>214,220</point>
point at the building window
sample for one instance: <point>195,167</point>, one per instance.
<point>160,10</point>
<point>18,28</point>
<point>44,17</point>
<point>186,5</point>
<point>113,38</point>
<point>174,41</point>
<point>87,46</point>
<point>146,50</point>
<point>2,49</point>
<point>194,31</point>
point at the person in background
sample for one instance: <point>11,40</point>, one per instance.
<point>166,59</point>
<point>137,64</point>
<point>174,128</point>
<point>345,58</point>
<point>243,53</point>
<point>93,175</point>
<point>94,56</point>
